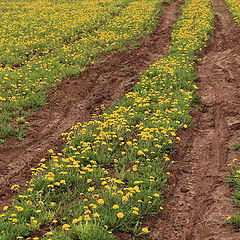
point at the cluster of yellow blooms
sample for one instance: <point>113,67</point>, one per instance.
<point>234,7</point>
<point>235,181</point>
<point>34,56</point>
<point>112,169</point>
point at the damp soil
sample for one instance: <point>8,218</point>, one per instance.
<point>76,99</point>
<point>198,200</point>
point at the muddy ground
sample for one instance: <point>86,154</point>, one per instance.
<point>76,99</point>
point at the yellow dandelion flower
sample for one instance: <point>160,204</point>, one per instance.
<point>120,215</point>
<point>140,152</point>
<point>48,233</point>
<point>5,208</point>
<point>96,215</point>
<point>66,227</point>
<point>228,218</point>
<point>115,206</point>
<point>91,189</point>
<point>145,230</point>
<point>20,209</point>
<point>100,201</point>
<point>124,198</point>
<point>134,168</point>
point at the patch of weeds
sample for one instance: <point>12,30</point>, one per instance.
<point>198,60</point>
<point>37,101</point>
<point>5,130</point>
<point>127,68</point>
<point>136,45</point>
<point>85,232</point>
<point>196,100</point>
<point>20,120</point>
<point>236,146</point>
<point>191,124</point>
<point>235,220</point>
<point>21,132</point>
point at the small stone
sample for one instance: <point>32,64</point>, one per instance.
<point>233,123</point>
<point>184,190</point>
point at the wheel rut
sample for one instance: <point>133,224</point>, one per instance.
<point>199,200</point>
<point>76,99</point>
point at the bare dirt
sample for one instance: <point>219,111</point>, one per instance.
<point>199,200</point>
<point>76,99</point>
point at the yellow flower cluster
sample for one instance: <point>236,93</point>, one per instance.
<point>113,169</point>
<point>190,33</point>
<point>234,7</point>
<point>235,181</point>
<point>34,56</point>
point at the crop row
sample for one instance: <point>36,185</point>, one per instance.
<point>24,86</point>
<point>234,7</point>
<point>112,170</point>
<point>24,34</point>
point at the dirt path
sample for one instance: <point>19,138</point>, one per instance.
<point>200,201</point>
<point>75,100</point>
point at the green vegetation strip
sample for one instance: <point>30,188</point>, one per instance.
<point>235,182</point>
<point>24,88</point>
<point>112,170</point>
<point>24,36</point>
<point>234,7</point>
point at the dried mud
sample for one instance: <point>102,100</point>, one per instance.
<point>75,100</point>
<point>199,200</point>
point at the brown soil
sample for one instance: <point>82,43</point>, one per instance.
<point>75,100</point>
<point>199,200</point>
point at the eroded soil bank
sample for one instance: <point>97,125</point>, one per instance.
<point>199,201</point>
<point>75,100</point>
